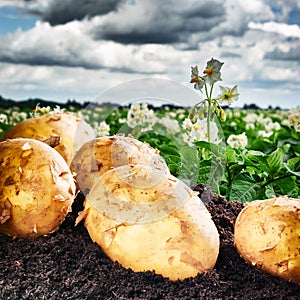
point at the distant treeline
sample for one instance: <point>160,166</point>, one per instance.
<point>32,103</point>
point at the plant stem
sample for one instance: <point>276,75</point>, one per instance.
<point>209,114</point>
<point>208,120</point>
<point>276,179</point>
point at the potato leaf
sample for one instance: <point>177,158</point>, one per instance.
<point>275,160</point>
<point>293,166</point>
<point>243,188</point>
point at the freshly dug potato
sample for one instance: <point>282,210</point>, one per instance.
<point>37,188</point>
<point>146,221</point>
<point>267,234</point>
<point>99,155</point>
<point>64,129</point>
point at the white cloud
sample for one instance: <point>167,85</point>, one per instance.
<point>283,9</point>
<point>58,83</point>
<point>79,59</point>
<point>280,28</point>
<point>11,3</point>
<point>70,45</point>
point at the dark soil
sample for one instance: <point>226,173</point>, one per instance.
<point>68,265</point>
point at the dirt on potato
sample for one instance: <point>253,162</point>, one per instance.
<point>68,265</point>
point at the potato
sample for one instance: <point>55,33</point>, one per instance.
<point>70,131</point>
<point>148,220</point>
<point>267,234</point>
<point>37,188</point>
<point>99,155</point>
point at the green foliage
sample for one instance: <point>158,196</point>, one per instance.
<point>268,166</point>
<point>249,175</point>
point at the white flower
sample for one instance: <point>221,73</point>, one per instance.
<point>101,129</point>
<point>250,126</point>
<point>229,113</point>
<point>39,111</point>
<point>17,117</point>
<point>3,119</point>
<point>272,126</point>
<point>294,118</point>
<point>285,122</point>
<point>238,141</point>
<point>58,109</point>
<point>187,124</point>
<point>237,113</point>
<point>122,120</point>
<point>276,126</point>
<point>198,131</point>
<point>250,118</point>
<point>171,125</point>
<point>228,95</point>
<point>140,114</point>
<point>187,139</point>
<point>264,133</point>
<point>172,114</point>
<point>181,116</point>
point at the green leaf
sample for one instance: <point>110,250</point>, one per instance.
<point>218,150</point>
<point>269,191</point>
<point>286,185</point>
<point>166,149</point>
<point>231,156</point>
<point>293,165</point>
<point>262,145</point>
<point>243,188</point>
<point>275,160</point>
<point>257,159</point>
<point>211,172</point>
<point>189,164</point>
<point>204,171</point>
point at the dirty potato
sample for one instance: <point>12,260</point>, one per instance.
<point>147,220</point>
<point>267,235</point>
<point>99,155</point>
<point>62,130</point>
<point>37,188</point>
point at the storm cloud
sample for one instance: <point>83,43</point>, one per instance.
<point>61,12</point>
<point>293,54</point>
<point>160,22</point>
<point>109,41</point>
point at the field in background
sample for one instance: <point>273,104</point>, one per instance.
<point>257,156</point>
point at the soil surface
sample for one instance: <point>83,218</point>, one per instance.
<point>68,265</point>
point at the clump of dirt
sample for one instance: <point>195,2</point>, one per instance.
<point>68,265</point>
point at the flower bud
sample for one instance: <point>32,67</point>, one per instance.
<point>222,115</point>
<point>192,113</point>
<point>201,114</point>
<point>217,111</point>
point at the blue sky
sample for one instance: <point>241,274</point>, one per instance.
<point>11,19</point>
<point>78,49</point>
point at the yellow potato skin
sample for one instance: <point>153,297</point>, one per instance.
<point>37,188</point>
<point>102,154</point>
<point>267,235</point>
<point>71,129</point>
<point>179,244</point>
